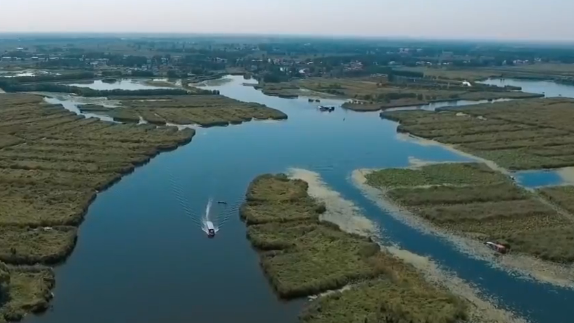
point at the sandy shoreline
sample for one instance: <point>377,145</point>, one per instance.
<point>350,218</point>
<point>525,266</point>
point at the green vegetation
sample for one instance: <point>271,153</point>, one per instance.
<point>470,199</point>
<point>560,195</point>
<point>25,289</point>
<point>283,90</point>
<point>376,93</point>
<point>205,110</point>
<point>518,135</point>
<point>303,256</point>
<point>439,174</point>
<point>52,165</point>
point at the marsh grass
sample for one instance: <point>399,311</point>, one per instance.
<point>384,300</point>
<point>561,195</point>
<point>487,207</point>
<point>517,135</point>
<point>442,195</point>
<point>52,164</point>
<point>28,246</point>
<point>35,205</point>
<point>439,174</point>
<point>303,256</point>
<point>372,94</point>
<point>204,110</point>
<point>28,290</point>
<point>125,115</point>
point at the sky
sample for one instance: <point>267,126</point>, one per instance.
<point>540,20</point>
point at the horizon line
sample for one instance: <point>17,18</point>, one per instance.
<point>287,35</point>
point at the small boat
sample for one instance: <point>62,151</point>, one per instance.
<point>210,229</point>
<point>498,247</point>
<point>221,202</point>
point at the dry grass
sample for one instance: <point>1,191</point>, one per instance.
<point>487,207</point>
<point>204,110</point>
<point>518,135</point>
<point>303,256</point>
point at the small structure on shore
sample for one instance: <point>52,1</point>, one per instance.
<point>498,247</point>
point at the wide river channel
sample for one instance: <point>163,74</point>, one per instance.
<point>142,258</point>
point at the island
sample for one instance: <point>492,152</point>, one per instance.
<point>304,256</point>
<point>203,110</point>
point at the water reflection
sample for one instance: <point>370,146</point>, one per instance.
<point>121,84</point>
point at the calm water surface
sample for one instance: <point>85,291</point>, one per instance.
<point>141,258</point>
<point>121,84</point>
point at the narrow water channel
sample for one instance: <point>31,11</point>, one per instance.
<point>140,258</point>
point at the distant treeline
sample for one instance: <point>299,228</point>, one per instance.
<point>9,86</point>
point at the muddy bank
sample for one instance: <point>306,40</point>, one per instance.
<point>349,218</point>
<point>340,211</point>
<point>524,266</point>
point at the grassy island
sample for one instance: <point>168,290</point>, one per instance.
<point>303,256</point>
<point>518,135</point>
<point>472,200</point>
<point>205,110</point>
<point>52,164</point>
<point>378,93</point>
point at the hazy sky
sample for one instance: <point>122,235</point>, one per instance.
<point>461,19</point>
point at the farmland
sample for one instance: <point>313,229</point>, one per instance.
<point>302,256</point>
<point>204,110</point>
<point>518,135</point>
<point>52,164</point>
<point>470,200</point>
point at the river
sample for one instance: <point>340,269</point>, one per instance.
<point>141,258</point>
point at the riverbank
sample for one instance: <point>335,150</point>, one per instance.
<point>52,165</point>
<point>517,135</point>
<point>472,242</point>
<point>352,295</point>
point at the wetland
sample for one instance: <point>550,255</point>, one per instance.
<point>132,223</point>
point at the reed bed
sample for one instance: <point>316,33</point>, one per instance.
<point>487,207</point>
<point>517,135</point>
<point>52,164</point>
<point>303,256</point>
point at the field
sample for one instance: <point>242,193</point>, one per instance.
<point>471,200</point>
<point>52,164</point>
<point>204,110</point>
<point>22,290</point>
<point>376,93</point>
<point>302,256</point>
<point>518,135</point>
